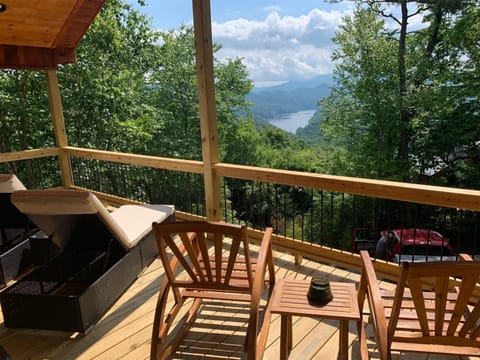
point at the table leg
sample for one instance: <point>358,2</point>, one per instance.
<point>285,336</point>
<point>343,340</point>
<point>289,333</point>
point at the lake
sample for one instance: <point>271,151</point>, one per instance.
<point>292,121</point>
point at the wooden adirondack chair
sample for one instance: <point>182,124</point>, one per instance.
<point>432,310</point>
<point>200,264</point>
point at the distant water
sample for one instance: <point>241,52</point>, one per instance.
<point>292,121</point>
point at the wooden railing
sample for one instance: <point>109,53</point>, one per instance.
<point>28,154</point>
<point>421,194</point>
<point>134,159</point>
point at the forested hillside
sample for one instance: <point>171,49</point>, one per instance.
<point>405,104</point>
<point>311,132</point>
<point>394,96</point>
<point>290,97</point>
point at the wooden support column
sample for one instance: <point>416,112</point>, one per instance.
<point>208,113</point>
<point>56,110</point>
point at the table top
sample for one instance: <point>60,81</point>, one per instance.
<point>290,298</point>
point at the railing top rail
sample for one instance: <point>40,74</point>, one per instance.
<point>29,154</point>
<point>136,159</point>
<point>422,194</point>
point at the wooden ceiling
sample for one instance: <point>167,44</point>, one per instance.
<point>41,34</point>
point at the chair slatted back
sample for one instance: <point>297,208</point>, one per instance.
<point>449,314</point>
<point>200,249</point>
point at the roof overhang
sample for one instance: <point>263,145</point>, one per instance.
<point>43,34</point>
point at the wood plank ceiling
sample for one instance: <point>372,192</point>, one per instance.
<point>41,34</point>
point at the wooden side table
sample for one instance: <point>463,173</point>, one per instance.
<point>290,299</point>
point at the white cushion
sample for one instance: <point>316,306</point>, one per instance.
<point>136,220</point>
<point>10,183</point>
<point>128,224</point>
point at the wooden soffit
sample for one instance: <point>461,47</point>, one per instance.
<point>41,34</point>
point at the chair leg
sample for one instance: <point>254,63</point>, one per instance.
<point>160,347</point>
<point>263,332</point>
<point>180,330</point>
<point>362,340</point>
<point>158,326</point>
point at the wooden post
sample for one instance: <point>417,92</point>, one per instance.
<point>207,106</point>
<point>56,110</point>
<point>298,259</point>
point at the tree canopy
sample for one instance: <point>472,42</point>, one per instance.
<point>405,103</point>
<point>404,106</point>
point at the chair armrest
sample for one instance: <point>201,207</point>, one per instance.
<point>369,285</point>
<point>264,259</point>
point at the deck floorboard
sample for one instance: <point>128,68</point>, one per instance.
<point>124,332</point>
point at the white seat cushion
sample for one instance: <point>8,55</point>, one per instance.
<point>136,220</point>
<point>128,224</point>
<point>10,183</point>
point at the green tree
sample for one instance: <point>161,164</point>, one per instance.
<point>396,90</point>
<point>359,124</point>
<point>24,114</point>
<point>25,124</point>
<point>173,90</point>
<point>104,91</point>
<point>447,127</point>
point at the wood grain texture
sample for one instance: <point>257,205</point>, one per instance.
<point>43,34</point>
<point>125,330</point>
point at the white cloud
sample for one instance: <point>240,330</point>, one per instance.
<point>280,48</point>
<point>272,8</point>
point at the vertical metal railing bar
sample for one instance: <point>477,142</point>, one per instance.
<point>225,198</point>
<point>276,207</point>
<point>271,203</point>
<point>342,220</point>
<point>459,222</point>
<point>429,234</point>
<point>312,214</point>
<point>322,237</point>
<point>475,249</point>
<point>443,229</point>
<point>302,217</point>
<point>355,223</point>
<point>331,238</point>
<point>415,225</point>
<point>283,219</point>
<point>294,214</point>
<point>261,204</point>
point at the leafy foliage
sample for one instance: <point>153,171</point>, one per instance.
<point>405,105</point>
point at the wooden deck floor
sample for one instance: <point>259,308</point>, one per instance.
<point>124,332</point>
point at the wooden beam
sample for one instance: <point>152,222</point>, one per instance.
<point>207,106</point>
<point>40,35</point>
<point>393,190</point>
<point>56,110</point>
<point>156,162</point>
<point>34,58</point>
<point>28,154</point>
<point>78,22</point>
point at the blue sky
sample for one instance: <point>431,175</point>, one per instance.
<point>277,40</point>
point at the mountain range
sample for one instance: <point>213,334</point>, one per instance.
<point>290,97</point>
